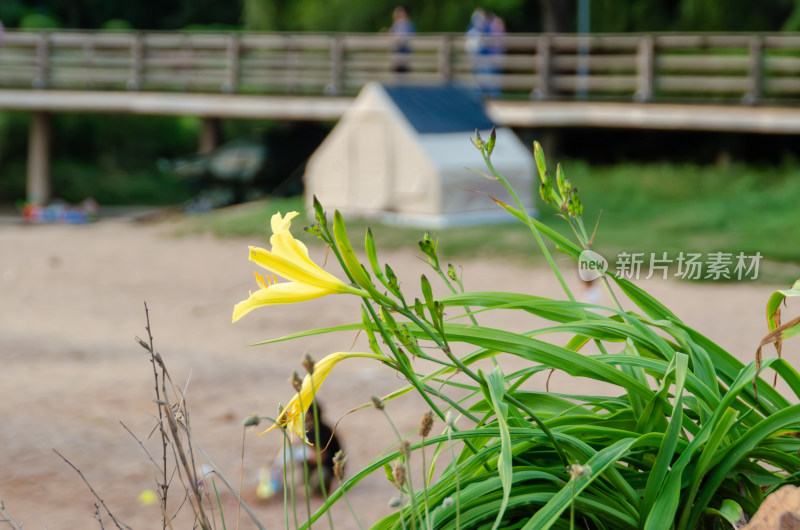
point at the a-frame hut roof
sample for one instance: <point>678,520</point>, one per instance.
<point>440,109</point>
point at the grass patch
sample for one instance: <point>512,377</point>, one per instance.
<point>667,207</point>
<point>648,208</point>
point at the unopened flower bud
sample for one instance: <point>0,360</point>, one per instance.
<point>477,141</point>
<point>314,229</point>
<point>561,181</point>
<point>252,420</point>
<point>575,206</point>
<point>490,143</point>
<point>425,424</point>
<point>419,309</point>
<point>391,278</point>
<point>319,213</point>
<point>451,272</point>
<point>399,474</point>
<point>541,165</point>
<point>377,402</point>
<point>545,190</point>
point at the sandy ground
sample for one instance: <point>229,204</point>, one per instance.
<point>71,305</point>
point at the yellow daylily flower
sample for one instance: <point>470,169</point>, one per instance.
<point>293,416</point>
<point>289,259</point>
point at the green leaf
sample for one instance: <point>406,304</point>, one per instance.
<point>541,164</point>
<point>543,352</point>
<point>652,307</point>
<point>427,293</point>
<point>774,303</point>
<point>549,514</point>
<point>495,383</point>
<point>719,433</point>
<point>372,255</point>
<point>351,262</point>
<point>662,508</point>
<point>732,512</point>
<point>738,450</point>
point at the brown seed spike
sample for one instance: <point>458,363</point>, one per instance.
<point>399,474</point>
<point>308,363</point>
<point>425,424</point>
<point>339,459</point>
<point>295,380</point>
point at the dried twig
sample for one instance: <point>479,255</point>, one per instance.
<point>8,519</point>
<point>141,445</point>
<point>227,484</point>
<point>176,417</point>
<point>188,469</point>
<point>98,516</point>
<point>121,526</point>
<point>148,346</point>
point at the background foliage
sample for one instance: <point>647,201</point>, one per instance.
<point>116,160</point>
<point>445,15</point>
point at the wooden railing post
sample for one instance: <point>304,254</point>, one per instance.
<point>756,70</point>
<point>292,62</point>
<point>234,66</point>
<point>42,61</point>
<point>446,58</point>
<point>38,186</point>
<point>336,83</point>
<point>137,62</point>
<point>543,67</point>
<point>88,63</point>
<point>645,69</point>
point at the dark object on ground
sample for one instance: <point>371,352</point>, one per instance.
<point>246,169</point>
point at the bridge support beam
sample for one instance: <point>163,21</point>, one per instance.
<point>38,190</point>
<point>210,133</point>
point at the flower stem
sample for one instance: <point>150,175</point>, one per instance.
<point>407,465</point>
<point>533,228</point>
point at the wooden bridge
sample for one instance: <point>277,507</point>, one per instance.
<point>736,82</point>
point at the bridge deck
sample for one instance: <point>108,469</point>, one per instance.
<point>726,118</point>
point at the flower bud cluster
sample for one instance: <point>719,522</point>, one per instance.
<point>564,196</point>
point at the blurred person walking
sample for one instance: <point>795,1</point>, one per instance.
<point>402,28</point>
<point>496,29</point>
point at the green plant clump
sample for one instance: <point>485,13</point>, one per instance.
<point>690,438</point>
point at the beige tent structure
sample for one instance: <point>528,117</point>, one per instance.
<point>401,155</point>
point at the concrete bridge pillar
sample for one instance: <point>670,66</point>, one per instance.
<point>210,134</point>
<point>38,189</point>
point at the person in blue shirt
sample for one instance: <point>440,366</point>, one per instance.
<point>402,28</point>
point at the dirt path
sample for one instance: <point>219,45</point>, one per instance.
<point>71,304</point>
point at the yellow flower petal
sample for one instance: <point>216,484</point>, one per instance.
<point>280,223</point>
<point>298,271</point>
<point>289,259</point>
<point>292,416</point>
<point>277,293</point>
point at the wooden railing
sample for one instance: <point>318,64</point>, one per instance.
<point>736,68</point>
